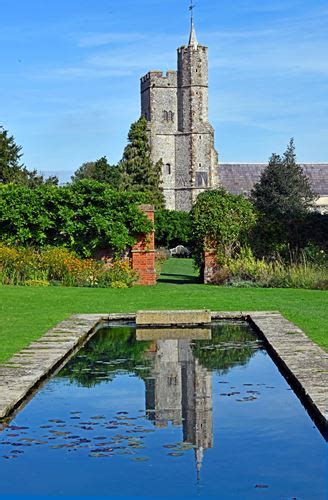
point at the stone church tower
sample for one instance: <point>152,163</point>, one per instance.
<point>176,108</point>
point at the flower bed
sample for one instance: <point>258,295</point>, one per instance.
<point>59,266</point>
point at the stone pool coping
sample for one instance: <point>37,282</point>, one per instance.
<point>302,362</point>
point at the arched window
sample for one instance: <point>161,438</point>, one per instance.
<point>165,116</point>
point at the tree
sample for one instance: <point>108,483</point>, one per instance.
<point>99,170</point>
<point>139,173</point>
<point>220,221</point>
<point>11,168</point>
<point>172,228</point>
<point>10,156</point>
<point>283,198</point>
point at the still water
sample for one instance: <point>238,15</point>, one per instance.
<point>188,412</point>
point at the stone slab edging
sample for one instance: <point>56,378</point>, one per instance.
<point>174,317</point>
<point>26,369</point>
<point>303,363</point>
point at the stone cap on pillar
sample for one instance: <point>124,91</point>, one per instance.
<point>147,208</point>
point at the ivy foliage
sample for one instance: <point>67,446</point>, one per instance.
<point>221,221</point>
<point>172,228</point>
<point>138,171</point>
<point>84,216</point>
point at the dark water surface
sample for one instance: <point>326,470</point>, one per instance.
<point>203,413</point>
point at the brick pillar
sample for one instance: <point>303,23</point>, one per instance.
<point>210,265</point>
<point>143,253</point>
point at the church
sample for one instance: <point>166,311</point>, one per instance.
<point>175,106</point>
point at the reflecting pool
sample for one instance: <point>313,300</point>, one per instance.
<point>191,412</point>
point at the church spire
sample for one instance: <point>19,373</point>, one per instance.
<point>192,38</point>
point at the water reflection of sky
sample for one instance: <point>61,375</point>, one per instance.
<point>176,417</point>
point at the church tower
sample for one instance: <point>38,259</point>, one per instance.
<point>196,159</point>
<point>176,108</point>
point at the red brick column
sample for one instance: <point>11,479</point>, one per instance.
<point>210,266</point>
<point>143,253</point>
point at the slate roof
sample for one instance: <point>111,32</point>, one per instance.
<point>239,178</point>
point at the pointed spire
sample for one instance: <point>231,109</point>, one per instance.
<point>192,38</point>
<point>199,454</point>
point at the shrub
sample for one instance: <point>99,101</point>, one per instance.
<point>36,283</point>
<point>220,276</point>
<point>246,270</point>
<point>58,266</point>
<point>121,275</point>
<point>82,217</point>
<point>220,220</point>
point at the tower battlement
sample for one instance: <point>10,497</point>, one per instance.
<point>158,79</point>
<point>186,48</point>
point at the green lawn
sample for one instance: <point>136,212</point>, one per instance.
<point>27,313</point>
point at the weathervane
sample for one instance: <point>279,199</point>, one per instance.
<point>191,8</point>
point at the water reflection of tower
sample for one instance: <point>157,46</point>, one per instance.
<point>164,388</point>
<point>197,404</point>
<point>179,390</point>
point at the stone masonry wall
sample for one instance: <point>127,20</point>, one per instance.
<point>159,107</point>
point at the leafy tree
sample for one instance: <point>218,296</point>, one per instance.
<point>222,221</point>
<point>139,173</point>
<point>83,217</point>
<point>99,170</point>
<point>11,168</point>
<point>172,228</point>
<point>283,198</point>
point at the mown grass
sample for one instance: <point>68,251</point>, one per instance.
<point>26,313</point>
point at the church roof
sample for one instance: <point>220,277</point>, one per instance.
<point>239,178</point>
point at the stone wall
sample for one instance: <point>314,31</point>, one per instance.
<point>159,107</point>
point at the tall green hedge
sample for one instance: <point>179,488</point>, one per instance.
<point>83,216</point>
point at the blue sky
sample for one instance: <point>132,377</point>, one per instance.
<point>70,69</point>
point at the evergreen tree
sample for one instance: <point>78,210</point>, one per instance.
<point>283,197</point>
<point>139,173</point>
<point>10,155</point>
<point>99,170</point>
<point>11,168</point>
